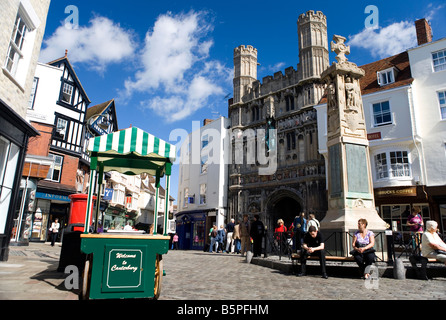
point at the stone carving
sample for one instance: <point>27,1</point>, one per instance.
<point>340,48</point>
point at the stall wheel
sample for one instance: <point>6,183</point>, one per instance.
<point>158,276</point>
<point>86,280</point>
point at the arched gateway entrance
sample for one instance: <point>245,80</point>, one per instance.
<point>285,205</point>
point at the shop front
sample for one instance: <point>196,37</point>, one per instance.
<point>191,229</point>
<point>49,206</point>
<point>395,205</point>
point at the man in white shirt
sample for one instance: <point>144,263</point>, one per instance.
<point>431,244</point>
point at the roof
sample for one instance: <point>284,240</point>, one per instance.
<point>65,60</point>
<point>98,109</point>
<point>132,151</point>
<point>369,83</point>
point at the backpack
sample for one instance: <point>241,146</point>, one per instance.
<point>214,233</point>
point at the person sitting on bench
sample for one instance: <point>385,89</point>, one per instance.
<point>431,244</point>
<point>363,252</point>
<point>313,245</point>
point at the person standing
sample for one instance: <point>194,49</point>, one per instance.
<point>213,234</point>
<point>257,233</point>
<point>313,245</point>
<point>229,233</point>
<point>220,239</point>
<point>175,241</point>
<point>312,221</point>
<point>415,222</point>
<point>236,238</point>
<point>54,231</point>
<point>245,231</point>
<point>300,228</point>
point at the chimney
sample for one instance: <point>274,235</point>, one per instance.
<point>424,31</point>
<point>207,121</point>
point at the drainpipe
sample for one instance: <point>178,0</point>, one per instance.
<point>418,142</point>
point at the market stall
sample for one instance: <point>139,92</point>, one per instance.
<point>125,264</point>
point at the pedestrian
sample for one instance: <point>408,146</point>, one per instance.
<point>54,231</point>
<point>257,233</point>
<point>280,234</point>
<point>300,228</point>
<point>415,222</point>
<point>221,238</point>
<point>313,245</point>
<point>213,234</point>
<point>432,245</point>
<point>229,236</point>
<point>312,221</point>
<point>237,239</point>
<point>175,241</point>
<point>363,251</point>
<point>245,230</point>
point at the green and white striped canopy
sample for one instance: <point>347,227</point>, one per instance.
<point>131,151</point>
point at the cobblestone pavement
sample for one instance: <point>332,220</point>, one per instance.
<point>31,274</point>
<point>195,275</point>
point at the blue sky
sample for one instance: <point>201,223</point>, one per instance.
<point>168,64</point>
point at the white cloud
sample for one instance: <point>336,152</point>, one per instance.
<point>177,75</point>
<point>387,41</point>
<point>101,43</point>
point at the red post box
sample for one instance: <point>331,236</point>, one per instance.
<point>78,209</point>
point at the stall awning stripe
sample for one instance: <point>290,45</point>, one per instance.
<point>132,140</point>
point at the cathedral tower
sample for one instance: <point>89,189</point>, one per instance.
<point>313,44</point>
<point>245,70</point>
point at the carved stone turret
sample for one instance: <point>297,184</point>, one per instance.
<point>245,70</point>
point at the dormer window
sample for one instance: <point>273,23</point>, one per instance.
<point>386,77</point>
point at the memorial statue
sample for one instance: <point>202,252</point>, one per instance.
<point>340,48</point>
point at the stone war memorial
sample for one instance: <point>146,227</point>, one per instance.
<point>350,186</point>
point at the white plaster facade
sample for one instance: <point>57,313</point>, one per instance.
<point>205,180</point>
<point>430,125</point>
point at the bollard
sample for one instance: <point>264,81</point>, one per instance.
<point>399,272</point>
<point>249,256</point>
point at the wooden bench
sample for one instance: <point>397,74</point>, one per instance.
<point>423,261</point>
<point>296,256</point>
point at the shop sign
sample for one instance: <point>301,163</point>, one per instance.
<point>50,196</point>
<point>394,192</point>
<point>374,136</point>
<point>108,194</point>
<point>124,270</point>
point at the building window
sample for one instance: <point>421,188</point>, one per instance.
<point>16,45</point>
<point>439,60</point>
<point>61,128</point>
<point>9,156</point>
<point>32,98</point>
<point>186,197</point>
<point>289,100</point>
<point>381,166</point>
<point>204,141</point>
<point>202,193</point>
<point>204,164</point>
<point>442,100</point>
<point>396,216</point>
<point>255,113</point>
<point>394,164</point>
<point>291,141</point>
<point>382,114</point>
<point>54,174</point>
<point>386,77</point>
<point>67,93</point>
